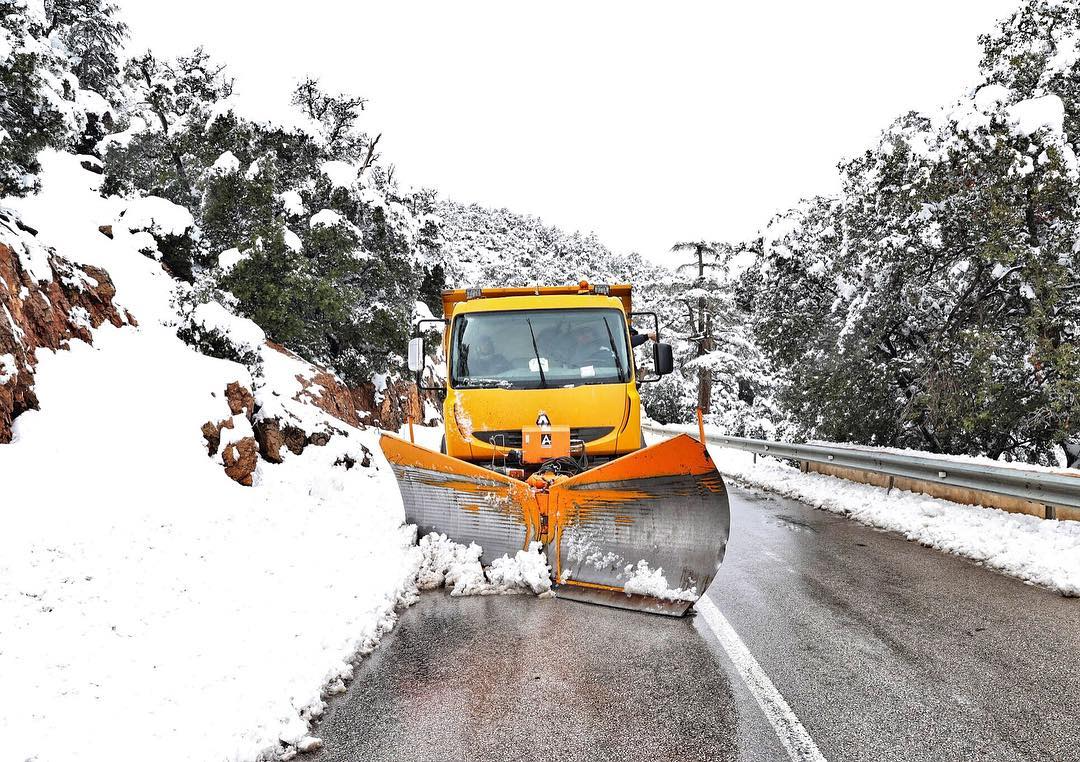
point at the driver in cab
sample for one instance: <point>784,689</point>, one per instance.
<point>589,347</point>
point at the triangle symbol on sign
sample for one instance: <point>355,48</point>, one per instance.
<point>545,441</point>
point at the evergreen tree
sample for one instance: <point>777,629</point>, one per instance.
<point>703,257</point>
<point>29,117</point>
<point>934,303</point>
<point>93,32</point>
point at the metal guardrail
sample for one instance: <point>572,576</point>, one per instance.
<point>1052,490</point>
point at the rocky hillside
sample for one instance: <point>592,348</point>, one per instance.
<point>46,301</point>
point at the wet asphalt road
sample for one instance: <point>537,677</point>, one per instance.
<point>885,650</point>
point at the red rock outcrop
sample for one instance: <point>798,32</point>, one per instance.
<point>390,408</point>
<point>240,399</point>
<point>272,436</point>
<point>324,390</point>
<point>44,314</point>
<point>241,457</point>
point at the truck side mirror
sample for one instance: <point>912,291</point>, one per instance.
<point>416,354</point>
<point>662,362</point>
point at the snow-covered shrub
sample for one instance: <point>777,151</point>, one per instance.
<point>212,330</point>
<point>331,251</point>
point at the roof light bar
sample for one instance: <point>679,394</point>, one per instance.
<point>602,288</point>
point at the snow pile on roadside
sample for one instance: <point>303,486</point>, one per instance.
<point>445,563</point>
<point>137,581</point>
<point>1040,551</point>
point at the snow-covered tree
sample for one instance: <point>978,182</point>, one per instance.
<point>92,33</point>
<point>31,115</point>
<point>349,248</point>
<point>934,303</point>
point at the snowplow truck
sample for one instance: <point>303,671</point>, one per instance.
<point>543,443</point>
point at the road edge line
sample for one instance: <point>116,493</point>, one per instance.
<point>793,736</point>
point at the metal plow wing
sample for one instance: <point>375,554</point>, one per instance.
<point>646,531</point>
<point>467,503</point>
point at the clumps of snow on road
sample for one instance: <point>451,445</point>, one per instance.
<point>1043,552</point>
<point>445,563</point>
<point>527,570</point>
<point>645,581</point>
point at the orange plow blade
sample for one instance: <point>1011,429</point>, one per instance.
<point>646,531</point>
<point>467,503</point>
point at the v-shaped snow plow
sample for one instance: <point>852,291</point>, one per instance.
<point>646,531</point>
<point>543,443</point>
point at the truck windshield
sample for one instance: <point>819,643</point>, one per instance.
<point>529,349</point>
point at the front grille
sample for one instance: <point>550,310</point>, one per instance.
<point>512,437</point>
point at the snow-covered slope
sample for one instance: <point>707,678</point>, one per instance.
<point>145,595</point>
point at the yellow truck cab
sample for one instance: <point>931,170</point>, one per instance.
<point>551,357</point>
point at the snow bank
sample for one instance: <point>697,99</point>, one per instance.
<point>1040,551</point>
<point>137,581</point>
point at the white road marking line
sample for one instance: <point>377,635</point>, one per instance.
<point>798,743</point>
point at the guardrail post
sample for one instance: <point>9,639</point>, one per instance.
<point>891,482</point>
<point>1051,511</point>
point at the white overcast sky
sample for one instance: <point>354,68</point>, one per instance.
<point>645,122</point>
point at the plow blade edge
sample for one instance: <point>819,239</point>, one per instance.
<point>647,531</point>
<point>467,503</point>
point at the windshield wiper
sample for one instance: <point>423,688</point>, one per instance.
<point>539,365</point>
<point>611,339</point>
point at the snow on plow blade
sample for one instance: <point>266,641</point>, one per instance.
<point>646,531</point>
<point>467,503</point>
